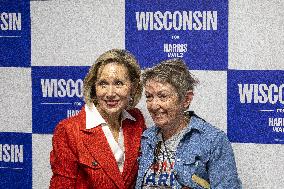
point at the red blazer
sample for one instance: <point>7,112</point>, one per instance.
<point>82,158</point>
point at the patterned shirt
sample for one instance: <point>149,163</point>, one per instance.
<point>161,173</point>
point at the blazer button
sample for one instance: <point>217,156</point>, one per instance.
<point>94,163</point>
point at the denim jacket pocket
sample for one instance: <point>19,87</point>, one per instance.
<point>194,165</point>
<point>195,161</point>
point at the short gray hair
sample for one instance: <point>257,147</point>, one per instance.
<point>173,71</point>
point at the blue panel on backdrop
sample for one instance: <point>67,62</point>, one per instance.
<point>15,160</point>
<point>57,94</point>
<point>15,33</point>
<point>256,106</point>
<point>196,31</point>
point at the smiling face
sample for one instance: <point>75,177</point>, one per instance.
<point>163,104</point>
<point>113,89</point>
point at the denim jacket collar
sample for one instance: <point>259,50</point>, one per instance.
<point>152,133</point>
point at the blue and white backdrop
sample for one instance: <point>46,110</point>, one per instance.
<point>235,49</point>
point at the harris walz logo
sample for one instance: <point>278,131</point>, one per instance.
<point>188,30</point>
<point>177,21</point>
<point>256,106</point>
<point>263,94</point>
<point>57,94</point>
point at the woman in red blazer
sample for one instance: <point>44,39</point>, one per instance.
<point>98,148</point>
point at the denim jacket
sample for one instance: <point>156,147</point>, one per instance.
<point>204,151</point>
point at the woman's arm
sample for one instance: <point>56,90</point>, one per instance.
<point>63,160</point>
<point>222,167</point>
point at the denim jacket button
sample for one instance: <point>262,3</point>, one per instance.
<point>175,172</point>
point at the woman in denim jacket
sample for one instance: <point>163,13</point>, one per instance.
<point>181,150</point>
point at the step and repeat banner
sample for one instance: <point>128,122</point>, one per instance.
<point>15,51</point>
<point>193,30</point>
<point>196,31</point>
<point>256,106</point>
<point>15,33</point>
<point>57,93</point>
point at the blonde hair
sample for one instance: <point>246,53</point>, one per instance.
<point>119,56</point>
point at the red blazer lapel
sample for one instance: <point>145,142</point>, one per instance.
<point>96,143</point>
<point>132,136</point>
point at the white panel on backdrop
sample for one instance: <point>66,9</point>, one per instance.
<point>15,100</point>
<point>41,148</point>
<point>256,38</point>
<point>74,33</point>
<point>260,166</point>
<point>210,99</point>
